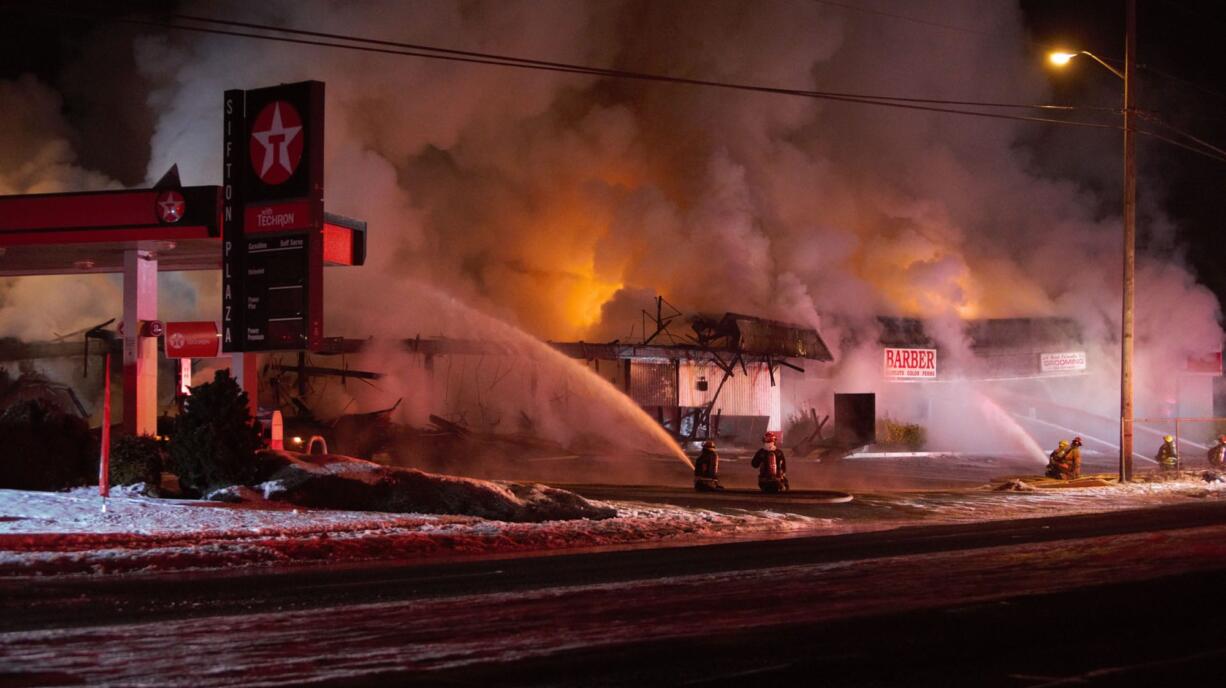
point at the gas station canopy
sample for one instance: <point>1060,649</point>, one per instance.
<point>76,233</point>
<point>265,230</point>
<point>72,233</point>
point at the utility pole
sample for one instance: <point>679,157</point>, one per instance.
<point>1130,240</point>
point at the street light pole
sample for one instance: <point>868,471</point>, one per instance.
<point>1130,238</point>
<point>1130,223</point>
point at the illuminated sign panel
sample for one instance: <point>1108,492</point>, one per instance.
<point>192,339</point>
<point>109,216</point>
<point>273,249</point>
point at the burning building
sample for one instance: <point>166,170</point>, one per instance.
<point>558,202</point>
<point>723,380</point>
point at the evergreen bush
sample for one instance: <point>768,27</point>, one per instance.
<point>137,460</point>
<point>215,438</point>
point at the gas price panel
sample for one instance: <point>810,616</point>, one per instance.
<point>278,275</point>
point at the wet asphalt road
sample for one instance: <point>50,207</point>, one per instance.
<point>1136,620</point>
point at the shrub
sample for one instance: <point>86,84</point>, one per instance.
<point>215,438</point>
<point>45,448</point>
<point>895,433</point>
<point>137,460</point>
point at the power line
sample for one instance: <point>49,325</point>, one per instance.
<point>1201,146</point>
<point>1205,148</point>
<point>1185,82</point>
<point>447,54</point>
<point>378,46</point>
<point>884,101</point>
<point>1185,146</point>
<point>596,70</point>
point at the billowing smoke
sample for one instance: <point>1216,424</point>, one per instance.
<point>564,203</point>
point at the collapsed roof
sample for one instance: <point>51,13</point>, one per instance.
<point>758,336</point>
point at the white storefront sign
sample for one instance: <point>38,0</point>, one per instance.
<point>910,364</point>
<point>1065,362</point>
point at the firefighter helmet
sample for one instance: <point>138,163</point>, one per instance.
<point>1221,438</point>
<point>1063,444</point>
<point>769,436</point>
<point>1168,438</point>
<point>709,444</point>
<point>1076,441</point>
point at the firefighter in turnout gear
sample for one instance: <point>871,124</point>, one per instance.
<point>706,469</point>
<point>1168,456</point>
<point>771,465</point>
<point>1065,462</point>
<point>1217,453</point>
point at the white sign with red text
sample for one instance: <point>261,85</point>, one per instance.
<point>279,217</point>
<point>1064,362</point>
<point>910,364</point>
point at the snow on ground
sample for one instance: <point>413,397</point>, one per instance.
<point>56,533</point>
<point>70,533</point>
<point>366,643</point>
<point>986,504</point>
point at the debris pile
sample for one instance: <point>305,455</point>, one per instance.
<point>341,482</point>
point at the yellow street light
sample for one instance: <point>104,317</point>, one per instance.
<point>1060,59</point>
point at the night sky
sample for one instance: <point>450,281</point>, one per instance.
<point>1181,80</point>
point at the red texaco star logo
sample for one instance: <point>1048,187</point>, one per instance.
<point>170,207</point>
<point>177,340</point>
<point>276,142</point>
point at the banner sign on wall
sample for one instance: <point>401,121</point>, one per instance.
<point>1209,364</point>
<point>1063,362</point>
<point>910,364</point>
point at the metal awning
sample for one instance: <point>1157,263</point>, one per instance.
<point>72,233</point>
<point>78,233</point>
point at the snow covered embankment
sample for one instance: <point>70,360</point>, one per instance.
<point>45,533</point>
<point>343,482</point>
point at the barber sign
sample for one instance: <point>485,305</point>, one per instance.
<point>910,364</point>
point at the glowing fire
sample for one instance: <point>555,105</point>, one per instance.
<point>935,282</point>
<point>555,284</point>
<point>585,297</point>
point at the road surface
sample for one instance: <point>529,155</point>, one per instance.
<point>1104,598</point>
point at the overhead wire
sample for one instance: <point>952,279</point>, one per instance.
<point>1201,146</point>
<point>471,57</point>
<point>598,70</point>
<point>1199,15</point>
<point>1113,60</point>
<point>398,48</point>
<point>1180,144</point>
<point>1188,83</point>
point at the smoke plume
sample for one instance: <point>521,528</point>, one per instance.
<point>564,203</point>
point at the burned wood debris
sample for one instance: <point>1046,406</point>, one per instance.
<point>680,376</point>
